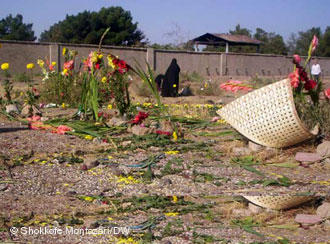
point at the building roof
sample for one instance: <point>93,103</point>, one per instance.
<point>221,39</point>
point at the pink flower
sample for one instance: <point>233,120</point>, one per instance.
<point>161,132</point>
<point>294,78</point>
<point>327,93</point>
<point>310,84</point>
<point>315,42</point>
<point>215,119</point>
<point>235,85</point>
<point>62,129</point>
<point>69,65</point>
<point>296,59</point>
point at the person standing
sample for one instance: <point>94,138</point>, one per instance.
<point>171,80</point>
<point>316,70</point>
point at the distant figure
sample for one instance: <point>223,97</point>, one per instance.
<point>316,70</point>
<point>159,81</point>
<point>170,86</point>
<point>185,92</point>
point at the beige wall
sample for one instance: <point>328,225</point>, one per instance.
<point>18,54</point>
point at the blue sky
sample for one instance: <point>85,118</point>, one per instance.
<point>192,18</point>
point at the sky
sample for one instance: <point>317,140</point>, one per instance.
<point>189,18</point>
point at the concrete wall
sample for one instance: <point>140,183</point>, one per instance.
<point>18,54</point>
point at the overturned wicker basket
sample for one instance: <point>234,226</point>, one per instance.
<point>278,202</point>
<point>267,116</point>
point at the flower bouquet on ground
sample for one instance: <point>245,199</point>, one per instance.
<point>268,116</point>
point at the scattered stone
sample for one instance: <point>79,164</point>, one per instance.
<point>42,119</point>
<point>139,131</point>
<point>324,210</point>
<point>242,212</point>
<point>307,157</point>
<point>209,102</point>
<point>116,121</point>
<point>327,224</point>
<point>255,209</point>
<point>12,108</point>
<point>26,111</point>
<point>92,164</point>
<point>241,151</point>
<point>308,219</point>
<point>255,147</point>
<point>323,149</point>
<point>126,143</point>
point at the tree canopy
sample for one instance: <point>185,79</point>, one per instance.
<point>13,28</point>
<point>88,27</point>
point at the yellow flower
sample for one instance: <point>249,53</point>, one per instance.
<point>63,105</point>
<point>5,66</point>
<point>205,85</point>
<point>65,71</point>
<point>100,56</point>
<point>41,63</point>
<point>174,85</point>
<point>53,63</point>
<point>89,199</point>
<point>30,66</point>
<point>175,136</point>
<point>175,199</point>
<point>129,240</point>
<point>64,51</point>
<point>110,106</point>
<point>110,63</point>
<point>127,180</point>
<point>88,137</point>
<point>172,152</point>
<point>21,93</point>
<point>171,214</point>
<point>104,79</point>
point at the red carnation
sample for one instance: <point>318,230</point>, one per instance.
<point>310,84</point>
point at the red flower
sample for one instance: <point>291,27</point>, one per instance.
<point>310,84</point>
<point>139,118</point>
<point>327,93</point>
<point>69,65</point>
<point>161,132</point>
<point>315,42</point>
<point>97,66</point>
<point>234,86</point>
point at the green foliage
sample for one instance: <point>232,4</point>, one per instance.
<point>272,43</point>
<point>8,87</point>
<point>88,27</point>
<point>22,77</point>
<point>304,39</point>
<point>13,28</point>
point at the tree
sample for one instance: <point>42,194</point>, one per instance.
<point>271,42</point>
<point>13,28</point>
<point>325,43</point>
<point>240,31</point>
<point>88,27</point>
<point>304,39</point>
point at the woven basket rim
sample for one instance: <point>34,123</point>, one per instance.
<point>285,83</point>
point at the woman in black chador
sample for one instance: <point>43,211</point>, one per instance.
<point>170,85</point>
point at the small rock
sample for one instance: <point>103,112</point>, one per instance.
<point>97,140</point>
<point>126,143</point>
<point>26,111</point>
<point>92,164</point>
<point>116,121</point>
<point>139,131</point>
<point>242,212</point>
<point>327,224</point>
<point>324,210</point>
<point>308,219</point>
<point>126,204</point>
<point>307,157</point>
<point>255,209</point>
<point>323,149</point>
<point>255,147</point>
<point>44,119</point>
<point>71,193</point>
<point>12,108</point>
<point>241,151</point>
